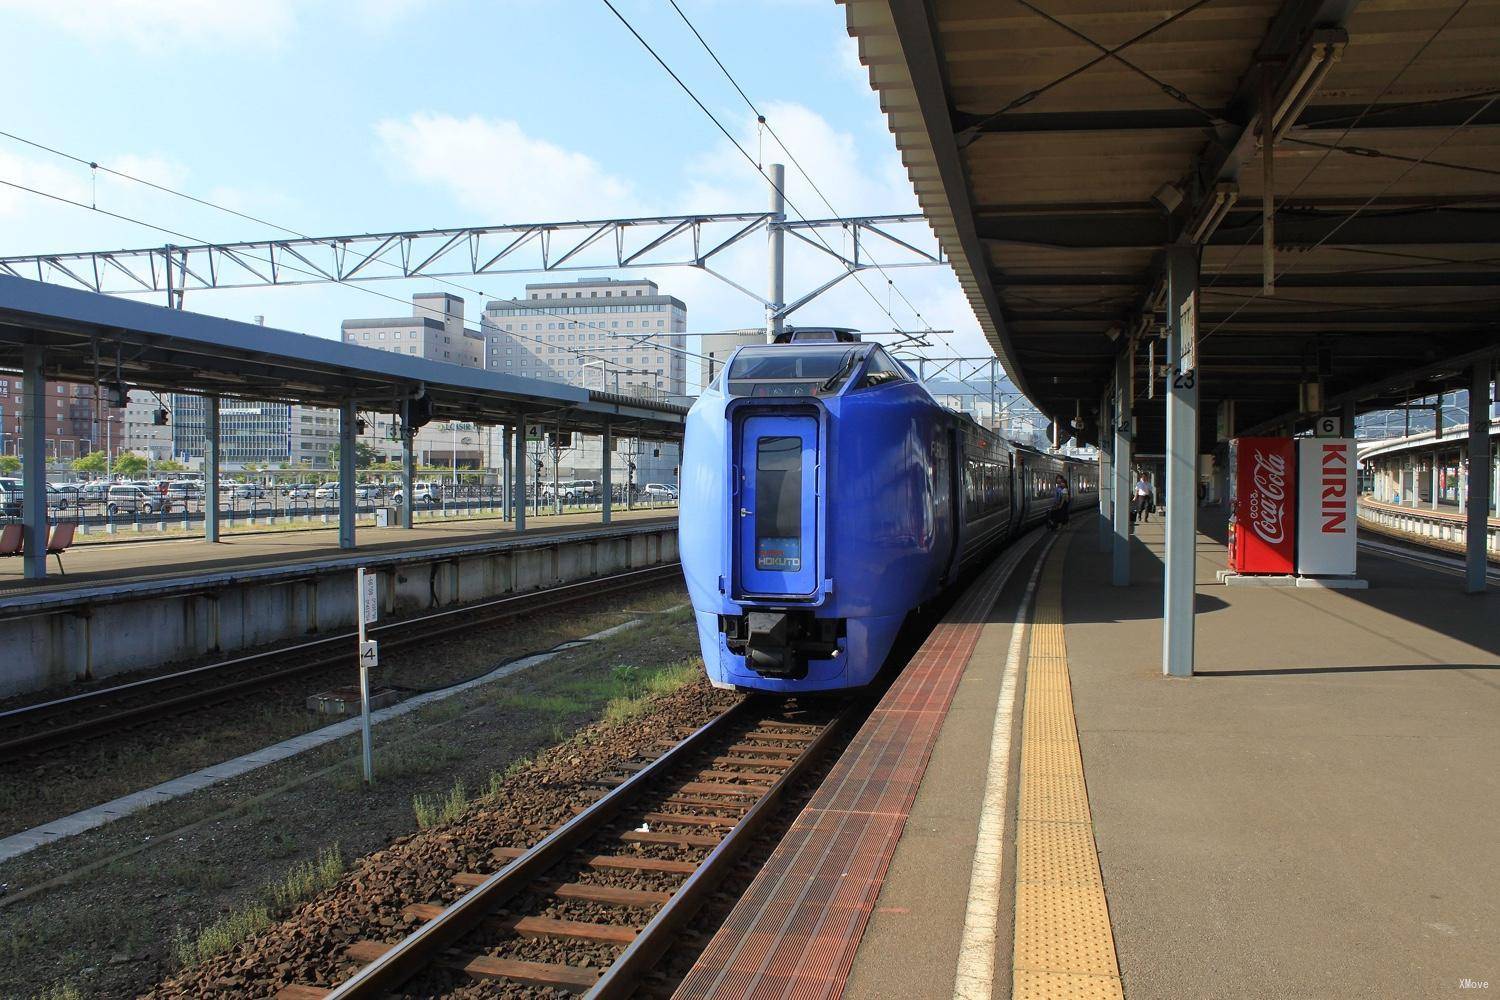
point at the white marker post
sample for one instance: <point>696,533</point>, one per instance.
<point>369,656</point>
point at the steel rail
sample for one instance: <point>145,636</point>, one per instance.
<point>396,636</point>
<point>626,972</point>
<point>428,944</point>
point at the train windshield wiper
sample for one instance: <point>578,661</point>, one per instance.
<point>833,380</point>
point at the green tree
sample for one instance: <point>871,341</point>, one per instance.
<point>95,462</point>
<point>9,465</point>
<point>170,465</point>
<point>364,455</point>
<point>130,464</point>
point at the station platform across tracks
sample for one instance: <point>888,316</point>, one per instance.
<point>1034,811</point>
<point>147,559</point>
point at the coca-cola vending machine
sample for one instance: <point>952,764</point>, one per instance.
<point>1262,505</point>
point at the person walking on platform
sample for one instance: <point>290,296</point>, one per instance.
<point>1142,505</point>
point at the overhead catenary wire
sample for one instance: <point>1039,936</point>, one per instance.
<point>1268,148</point>
<point>95,166</point>
<point>1351,216</point>
<point>291,267</point>
<point>763,120</point>
<point>780,189</point>
<point>1268,151</point>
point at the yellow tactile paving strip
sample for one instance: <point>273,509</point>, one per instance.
<point>1064,949</point>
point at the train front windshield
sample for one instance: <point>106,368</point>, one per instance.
<point>785,370</point>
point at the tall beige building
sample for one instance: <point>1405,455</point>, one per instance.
<point>717,347</point>
<point>435,331</point>
<point>599,333</point>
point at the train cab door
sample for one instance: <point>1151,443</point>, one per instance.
<point>776,510</point>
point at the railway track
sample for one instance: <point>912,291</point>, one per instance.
<point>592,906</point>
<point>34,729</point>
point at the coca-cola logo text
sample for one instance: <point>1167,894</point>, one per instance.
<point>1268,500</point>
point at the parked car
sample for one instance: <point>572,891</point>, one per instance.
<point>248,491</point>
<point>328,491</point>
<point>185,491</point>
<point>659,491</point>
<point>93,492</point>
<point>130,498</point>
<point>10,497</point>
<point>299,491</point>
<point>426,493</point>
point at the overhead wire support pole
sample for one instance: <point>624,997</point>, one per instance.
<point>348,441</point>
<point>1480,475</point>
<point>776,241</point>
<point>33,432</point>
<point>1181,560</point>
<point>212,460</point>
<point>1120,459</point>
<point>408,467</point>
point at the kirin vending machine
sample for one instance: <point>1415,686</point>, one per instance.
<point>1263,505</point>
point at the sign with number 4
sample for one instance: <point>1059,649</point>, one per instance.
<point>369,653</point>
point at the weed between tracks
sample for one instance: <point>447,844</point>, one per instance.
<point>301,882</point>
<point>114,932</point>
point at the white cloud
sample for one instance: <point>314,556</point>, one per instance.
<point>492,167</point>
<point>163,25</point>
<point>155,25</point>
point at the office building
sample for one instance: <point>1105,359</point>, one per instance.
<point>434,330</point>
<point>599,333</point>
<point>77,423</point>
<point>717,347</point>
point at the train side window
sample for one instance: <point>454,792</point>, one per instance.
<point>880,369</point>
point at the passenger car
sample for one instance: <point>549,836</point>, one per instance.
<point>826,495</point>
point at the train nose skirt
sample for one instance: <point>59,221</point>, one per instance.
<point>782,643</point>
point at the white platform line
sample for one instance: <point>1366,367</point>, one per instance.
<point>975,977</point>
<point>95,816</point>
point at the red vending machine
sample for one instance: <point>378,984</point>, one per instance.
<point>1263,505</point>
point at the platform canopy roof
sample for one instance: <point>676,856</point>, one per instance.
<point>1058,146</point>
<point>90,337</point>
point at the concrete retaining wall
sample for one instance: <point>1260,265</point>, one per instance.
<point>83,636</point>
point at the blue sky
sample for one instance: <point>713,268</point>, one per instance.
<point>331,117</point>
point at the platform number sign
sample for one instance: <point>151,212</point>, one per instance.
<point>1185,374</point>
<point>1329,427</point>
<point>369,654</point>
<point>369,604</point>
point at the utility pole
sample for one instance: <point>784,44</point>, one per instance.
<point>776,236</point>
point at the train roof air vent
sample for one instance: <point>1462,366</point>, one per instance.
<point>814,334</point>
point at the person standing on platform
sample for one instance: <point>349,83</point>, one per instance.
<point>1059,516</point>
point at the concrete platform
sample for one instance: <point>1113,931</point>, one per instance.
<point>1313,816</point>
<point>139,606</point>
<point>136,561</point>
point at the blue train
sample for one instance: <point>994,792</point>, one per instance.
<point>825,496</point>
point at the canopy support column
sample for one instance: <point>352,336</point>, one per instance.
<point>519,477</point>
<point>1120,457</point>
<point>34,461</point>
<point>1182,463</point>
<point>408,468</point>
<point>1106,473</point>
<point>211,473</point>
<point>347,441</point>
<point>505,476</point>
<point>607,448</point>
<point>1480,472</point>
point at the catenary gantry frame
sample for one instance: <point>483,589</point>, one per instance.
<point>697,241</point>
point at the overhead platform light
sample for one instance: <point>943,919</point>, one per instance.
<point>1313,62</point>
<point>1223,199</point>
